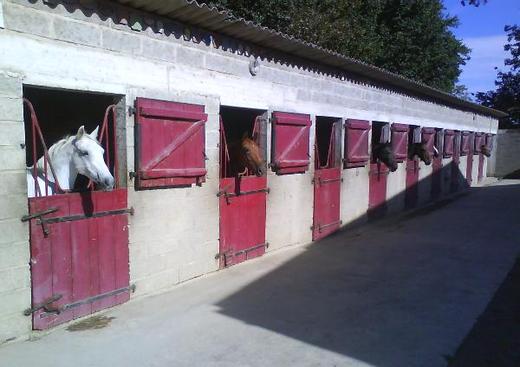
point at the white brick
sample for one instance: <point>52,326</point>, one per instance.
<point>13,133</point>
<point>10,85</point>
<point>13,206</point>
<point>15,302</point>
<point>13,230</point>
<point>12,158</point>
<point>14,326</point>
<point>27,20</point>
<point>191,57</point>
<point>14,255</point>
<point>77,32</point>
<point>160,50</point>
<point>121,41</point>
<point>11,109</point>
<point>13,182</point>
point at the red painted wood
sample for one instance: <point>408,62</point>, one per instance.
<point>465,143</point>
<point>290,142</point>
<point>449,136</point>
<point>170,143</point>
<point>412,183</point>
<point>81,258</point>
<point>480,140</point>
<point>400,141</point>
<point>469,166</point>
<point>356,143</point>
<point>378,175</point>
<point>428,138</point>
<point>327,187</point>
<point>455,171</point>
<point>242,219</point>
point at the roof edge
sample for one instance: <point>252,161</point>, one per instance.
<point>315,53</point>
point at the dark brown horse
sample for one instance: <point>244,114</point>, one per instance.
<point>384,152</point>
<point>419,150</point>
<point>485,150</point>
<point>246,158</point>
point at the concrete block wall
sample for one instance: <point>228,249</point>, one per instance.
<point>15,291</point>
<point>174,232</point>
<point>506,151</point>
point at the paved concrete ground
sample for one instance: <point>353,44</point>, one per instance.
<point>401,292</point>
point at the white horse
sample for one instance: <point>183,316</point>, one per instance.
<point>73,155</point>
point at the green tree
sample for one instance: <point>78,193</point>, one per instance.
<point>411,38</point>
<point>506,96</point>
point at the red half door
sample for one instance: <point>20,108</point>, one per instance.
<point>327,187</point>
<point>79,255</point>
<point>378,176</point>
<point>242,218</point>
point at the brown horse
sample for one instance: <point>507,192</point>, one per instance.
<point>419,150</point>
<point>485,150</point>
<point>246,158</point>
<point>384,152</point>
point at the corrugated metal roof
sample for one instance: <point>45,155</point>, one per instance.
<point>222,22</point>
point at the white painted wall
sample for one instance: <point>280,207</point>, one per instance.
<point>174,232</point>
<point>506,150</point>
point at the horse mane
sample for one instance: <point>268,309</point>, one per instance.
<point>58,146</point>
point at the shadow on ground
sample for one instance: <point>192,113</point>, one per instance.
<point>403,291</point>
<point>494,341</point>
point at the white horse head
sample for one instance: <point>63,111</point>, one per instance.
<point>79,154</point>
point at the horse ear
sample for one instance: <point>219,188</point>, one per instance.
<point>94,133</point>
<point>81,132</point>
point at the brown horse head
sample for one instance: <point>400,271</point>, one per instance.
<point>385,154</point>
<point>251,156</point>
<point>246,157</point>
<point>420,150</point>
<point>485,150</point>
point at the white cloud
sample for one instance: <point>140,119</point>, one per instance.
<point>486,53</point>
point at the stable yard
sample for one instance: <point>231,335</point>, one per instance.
<point>403,291</point>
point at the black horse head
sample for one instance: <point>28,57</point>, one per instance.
<point>420,150</point>
<point>384,153</point>
<point>485,150</point>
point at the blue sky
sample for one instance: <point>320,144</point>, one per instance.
<point>482,30</point>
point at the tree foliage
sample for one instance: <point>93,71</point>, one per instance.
<point>411,38</point>
<point>506,96</point>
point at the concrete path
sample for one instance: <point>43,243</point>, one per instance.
<point>401,292</point>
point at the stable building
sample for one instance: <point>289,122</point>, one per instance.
<point>174,86</point>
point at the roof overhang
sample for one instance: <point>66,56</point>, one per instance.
<point>222,22</point>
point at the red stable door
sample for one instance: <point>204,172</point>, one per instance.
<point>327,179</point>
<point>469,166</point>
<point>79,245</point>
<point>378,176</point>
<point>480,167</point>
<point>79,255</point>
<point>242,205</point>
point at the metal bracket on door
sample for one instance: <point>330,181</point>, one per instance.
<point>228,195</point>
<point>57,310</point>
<point>45,305</point>
<point>228,255</point>
<point>39,216</point>
<point>320,227</point>
<point>329,180</point>
<point>70,218</point>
